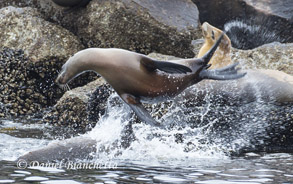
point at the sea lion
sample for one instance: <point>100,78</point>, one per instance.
<point>221,57</point>
<point>74,148</point>
<point>71,3</point>
<point>137,78</point>
<point>271,85</point>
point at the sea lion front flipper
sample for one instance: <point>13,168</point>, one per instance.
<point>139,109</point>
<point>165,66</point>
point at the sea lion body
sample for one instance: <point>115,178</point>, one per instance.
<point>137,78</point>
<point>222,56</point>
<point>147,85</point>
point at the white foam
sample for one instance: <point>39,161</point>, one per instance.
<point>13,151</point>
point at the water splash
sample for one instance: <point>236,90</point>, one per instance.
<point>199,124</point>
<point>245,34</point>
<point>151,144</point>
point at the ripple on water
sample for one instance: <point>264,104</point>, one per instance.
<point>225,182</point>
<point>60,182</point>
<point>35,178</point>
<point>47,169</point>
<point>168,178</point>
<point>7,181</point>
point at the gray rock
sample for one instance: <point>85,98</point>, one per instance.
<point>27,76</point>
<point>24,29</point>
<point>77,109</point>
<point>274,56</point>
<point>282,9</point>
<point>142,26</point>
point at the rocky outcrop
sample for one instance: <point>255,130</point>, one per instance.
<point>17,93</point>
<point>258,22</point>
<point>274,56</point>
<point>24,29</point>
<point>81,107</point>
<point>27,75</point>
<point>142,26</point>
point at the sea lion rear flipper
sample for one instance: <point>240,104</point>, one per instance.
<point>165,66</point>
<point>139,110</point>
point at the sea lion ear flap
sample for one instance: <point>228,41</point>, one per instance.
<point>168,67</point>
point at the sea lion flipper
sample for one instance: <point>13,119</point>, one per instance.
<point>165,66</point>
<point>143,115</point>
<point>139,109</point>
<point>227,73</point>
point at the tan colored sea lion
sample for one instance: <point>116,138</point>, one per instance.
<point>137,78</point>
<point>271,85</point>
<point>222,56</point>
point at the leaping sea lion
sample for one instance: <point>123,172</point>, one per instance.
<point>137,78</point>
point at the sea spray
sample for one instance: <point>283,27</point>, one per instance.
<point>245,34</point>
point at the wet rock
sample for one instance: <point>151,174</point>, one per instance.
<point>27,88</point>
<point>28,75</point>
<point>81,107</point>
<point>260,21</point>
<point>13,97</point>
<point>38,38</point>
<point>274,56</point>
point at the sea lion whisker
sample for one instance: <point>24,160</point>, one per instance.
<point>68,88</point>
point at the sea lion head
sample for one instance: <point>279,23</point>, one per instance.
<point>222,56</point>
<point>212,34</point>
<point>75,65</point>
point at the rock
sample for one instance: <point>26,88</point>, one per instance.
<point>274,56</point>
<point>258,22</point>
<point>14,82</point>
<point>278,8</point>
<point>80,108</point>
<point>29,74</point>
<point>147,25</point>
<point>142,26</point>
<point>38,38</point>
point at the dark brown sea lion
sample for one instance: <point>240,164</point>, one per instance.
<point>71,3</point>
<point>137,78</point>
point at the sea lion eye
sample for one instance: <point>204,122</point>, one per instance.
<point>213,35</point>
